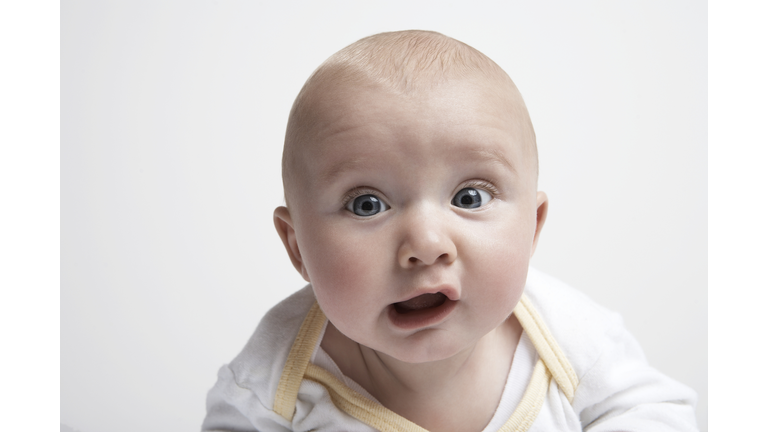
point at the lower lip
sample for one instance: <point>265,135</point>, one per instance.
<point>422,318</point>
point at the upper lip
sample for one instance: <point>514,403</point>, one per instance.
<point>449,291</point>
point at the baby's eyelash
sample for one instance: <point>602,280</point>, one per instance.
<point>362,190</point>
<point>482,184</point>
<point>356,192</point>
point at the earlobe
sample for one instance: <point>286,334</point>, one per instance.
<point>284,227</point>
<point>542,205</point>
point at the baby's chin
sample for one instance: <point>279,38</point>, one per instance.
<point>423,358</point>
<point>425,349</point>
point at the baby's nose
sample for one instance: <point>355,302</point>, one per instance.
<point>426,242</point>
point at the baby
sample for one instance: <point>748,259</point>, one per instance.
<point>410,173</point>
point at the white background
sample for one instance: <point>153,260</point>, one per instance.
<point>172,122</point>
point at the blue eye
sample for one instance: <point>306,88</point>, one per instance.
<point>366,205</point>
<point>470,198</point>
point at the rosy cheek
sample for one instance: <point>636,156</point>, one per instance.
<point>342,274</point>
<point>505,254</point>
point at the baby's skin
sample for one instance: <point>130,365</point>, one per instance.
<point>412,210</point>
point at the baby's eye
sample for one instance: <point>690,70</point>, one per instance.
<point>470,198</point>
<point>367,205</point>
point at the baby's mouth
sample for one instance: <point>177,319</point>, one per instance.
<point>424,301</point>
<point>421,311</point>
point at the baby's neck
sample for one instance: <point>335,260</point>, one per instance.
<point>458,393</point>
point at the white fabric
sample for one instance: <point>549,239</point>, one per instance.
<point>523,361</point>
<point>617,389</point>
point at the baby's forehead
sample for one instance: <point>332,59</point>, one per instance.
<point>360,128</point>
<point>337,102</point>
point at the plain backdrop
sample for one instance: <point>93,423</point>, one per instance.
<point>172,122</point>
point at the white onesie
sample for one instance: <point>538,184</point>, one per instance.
<point>576,368</point>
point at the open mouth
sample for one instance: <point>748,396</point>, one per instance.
<point>424,301</point>
<point>421,311</point>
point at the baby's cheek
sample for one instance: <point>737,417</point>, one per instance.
<point>343,277</point>
<point>504,241</point>
<point>504,258</point>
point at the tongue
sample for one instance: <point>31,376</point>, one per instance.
<point>424,301</point>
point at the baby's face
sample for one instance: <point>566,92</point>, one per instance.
<point>415,216</point>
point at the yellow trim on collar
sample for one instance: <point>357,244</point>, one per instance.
<point>360,407</point>
<point>552,362</point>
<point>381,418</point>
<point>533,399</point>
<point>547,347</point>
<point>298,359</point>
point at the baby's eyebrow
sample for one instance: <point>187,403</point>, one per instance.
<point>335,171</point>
<point>492,155</point>
<point>482,154</point>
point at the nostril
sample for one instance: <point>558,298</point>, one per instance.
<point>442,257</point>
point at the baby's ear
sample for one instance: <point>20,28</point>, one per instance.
<point>284,227</point>
<point>542,205</point>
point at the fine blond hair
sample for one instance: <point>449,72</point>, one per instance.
<point>404,62</point>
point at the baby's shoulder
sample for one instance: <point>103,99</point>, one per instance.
<point>244,394</point>
<point>580,326</point>
<point>599,365</point>
<point>259,365</point>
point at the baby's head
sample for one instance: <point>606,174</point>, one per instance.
<point>410,175</point>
